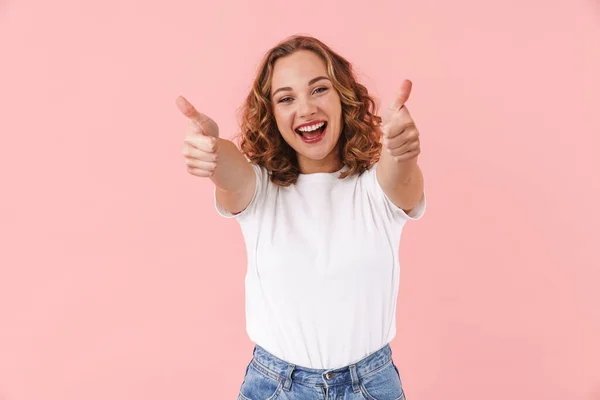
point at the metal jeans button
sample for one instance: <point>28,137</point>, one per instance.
<point>329,375</point>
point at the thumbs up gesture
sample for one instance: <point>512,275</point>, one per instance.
<point>400,135</point>
<point>201,144</point>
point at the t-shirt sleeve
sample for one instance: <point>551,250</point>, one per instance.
<point>261,183</point>
<point>388,206</point>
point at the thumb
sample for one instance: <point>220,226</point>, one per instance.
<point>189,110</point>
<point>402,95</point>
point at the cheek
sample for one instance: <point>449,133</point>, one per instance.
<point>335,114</point>
<point>280,122</point>
<point>334,109</point>
<point>283,120</point>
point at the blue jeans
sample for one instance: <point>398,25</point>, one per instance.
<point>375,377</point>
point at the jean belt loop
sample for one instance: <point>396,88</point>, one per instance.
<point>354,375</point>
<point>288,377</point>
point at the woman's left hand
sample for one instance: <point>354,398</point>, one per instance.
<point>400,134</point>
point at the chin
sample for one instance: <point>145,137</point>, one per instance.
<point>315,157</point>
<point>317,154</point>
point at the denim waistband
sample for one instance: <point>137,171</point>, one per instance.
<point>284,371</point>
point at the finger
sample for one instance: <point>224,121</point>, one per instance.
<point>195,153</point>
<point>194,129</point>
<point>401,132</point>
<point>404,148</point>
<point>205,165</point>
<point>200,172</point>
<point>189,110</point>
<point>397,141</point>
<point>402,95</point>
<point>202,142</point>
<point>398,125</point>
<point>395,121</point>
<point>404,115</point>
<point>408,155</point>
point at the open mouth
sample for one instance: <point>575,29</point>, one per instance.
<point>312,134</point>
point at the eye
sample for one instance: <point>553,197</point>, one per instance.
<point>284,99</point>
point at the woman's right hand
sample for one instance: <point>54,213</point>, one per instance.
<point>201,143</point>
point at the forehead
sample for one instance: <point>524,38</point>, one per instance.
<point>297,69</point>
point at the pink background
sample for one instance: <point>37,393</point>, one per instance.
<point>119,281</point>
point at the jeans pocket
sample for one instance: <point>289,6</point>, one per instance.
<point>259,384</point>
<point>382,384</point>
<point>397,372</point>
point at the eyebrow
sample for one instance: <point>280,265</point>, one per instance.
<point>318,78</point>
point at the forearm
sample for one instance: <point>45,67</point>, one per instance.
<point>233,171</point>
<point>402,181</point>
<point>410,177</point>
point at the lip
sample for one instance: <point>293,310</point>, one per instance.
<point>316,121</point>
<point>315,140</point>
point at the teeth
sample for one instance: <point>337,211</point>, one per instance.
<point>311,127</point>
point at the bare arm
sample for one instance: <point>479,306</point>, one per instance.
<point>402,182</point>
<point>398,173</point>
<point>207,155</point>
<point>234,178</point>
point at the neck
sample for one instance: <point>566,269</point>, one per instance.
<point>328,164</point>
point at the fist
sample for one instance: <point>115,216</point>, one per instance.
<point>400,134</point>
<point>201,143</point>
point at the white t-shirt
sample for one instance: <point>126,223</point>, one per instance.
<point>323,268</point>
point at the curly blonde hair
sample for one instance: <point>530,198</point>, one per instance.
<point>261,141</point>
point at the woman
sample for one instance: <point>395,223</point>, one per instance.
<point>321,208</point>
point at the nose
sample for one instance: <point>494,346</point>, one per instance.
<point>306,108</point>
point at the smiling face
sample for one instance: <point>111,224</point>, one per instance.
<point>304,97</point>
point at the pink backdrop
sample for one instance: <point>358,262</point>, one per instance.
<point>119,281</point>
